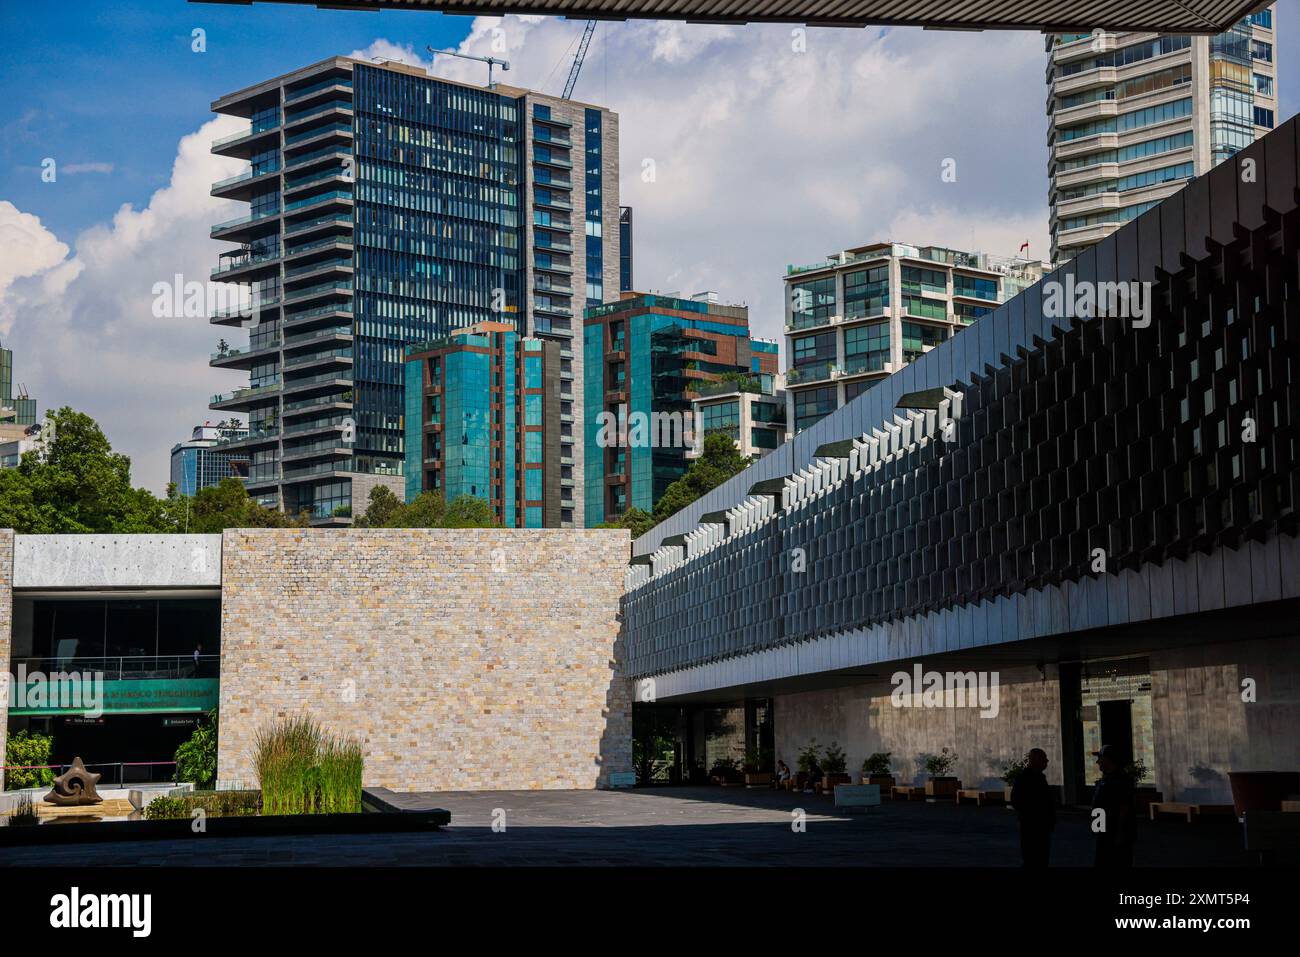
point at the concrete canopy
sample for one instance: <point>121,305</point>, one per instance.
<point>1051,16</point>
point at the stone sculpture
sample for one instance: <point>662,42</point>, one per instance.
<point>74,787</point>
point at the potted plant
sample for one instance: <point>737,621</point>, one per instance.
<point>758,766</point>
<point>810,759</point>
<point>1012,770</point>
<point>1144,795</point>
<point>940,784</point>
<point>834,766</point>
<point>876,770</point>
<point>725,771</point>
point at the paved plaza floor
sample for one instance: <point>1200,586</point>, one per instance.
<point>668,826</point>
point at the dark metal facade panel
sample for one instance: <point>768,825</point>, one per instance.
<point>1164,16</point>
<point>1109,436</point>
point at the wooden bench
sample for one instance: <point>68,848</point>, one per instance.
<point>1291,807</point>
<point>981,797</point>
<point>907,792</point>
<point>1190,811</point>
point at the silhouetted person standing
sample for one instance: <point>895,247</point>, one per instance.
<point>1035,805</point>
<point>1114,796</point>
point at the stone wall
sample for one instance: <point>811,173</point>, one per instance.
<point>6,628</point>
<point>862,719</point>
<point>1203,726</point>
<point>461,659</point>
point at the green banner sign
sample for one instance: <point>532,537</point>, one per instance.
<point>39,696</point>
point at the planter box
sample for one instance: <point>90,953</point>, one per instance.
<point>1143,798</point>
<point>857,795</point>
<point>758,779</point>
<point>942,788</point>
<point>883,781</point>
<point>1262,790</point>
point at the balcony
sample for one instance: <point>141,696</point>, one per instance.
<point>241,358</point>
<point>340,401</point>
<point>323,382</point>
<point>224,230</point>
<point>308,137</point>
<point>328,87</point>
<point>814,372</point>
<point>558,162</point>
<point>341,109</point>
<point>318,336</point>
<point>330,221</point>
<point>241,261</point>
<point>244,399</point>
<point>341,357</point>
<point>341,287</point>
<point>246,142</point>
<point>334,153</point>
<point>243,185</point>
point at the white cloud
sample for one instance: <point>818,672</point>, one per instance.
<point>82,327</point>
<point>764,157</point>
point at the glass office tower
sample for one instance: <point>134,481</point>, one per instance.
<point>389,207</point>
<point>14,410</point>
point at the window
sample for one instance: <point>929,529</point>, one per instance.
<point>1263,117</point>
<point>721,417</point>
<point>532,410</point>
<point>975,287</point>
<point>866,348</point>
<point>1259,50</point>
<point>533,484</point>
<point>532,448</point>
<point>925,308</point>
<point>1262,18</point>
<point>813,302</point>
<point>917,280</point>
<point>1155,114</point>
<point>1263,84</point>
<point>917,336</point>
<point>816,350</point>
<point>811,405</point>
<point>764,438</point>
<point>866,292</point>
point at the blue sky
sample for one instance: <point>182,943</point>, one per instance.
<point>766,153</point>
<point>117,83</point>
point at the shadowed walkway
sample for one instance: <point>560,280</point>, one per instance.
<point>669,826</point>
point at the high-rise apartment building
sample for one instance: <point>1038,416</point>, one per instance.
<point>483,419</point>
<point>860,315</point>
<point>389,207</point>
<point>212,453</point>
<point>645,358</point>
<point>14,409</point>
<point>1133,116</point>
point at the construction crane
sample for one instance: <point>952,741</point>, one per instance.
<point>490,61</point>
<point>578,58</point>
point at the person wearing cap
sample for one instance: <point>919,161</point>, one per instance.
<point>1035,805</point>
<point>1114,796</point>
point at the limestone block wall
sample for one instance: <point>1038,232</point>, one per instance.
<point>6,630</point>
<point>863,720</point>
<point>461,659</point>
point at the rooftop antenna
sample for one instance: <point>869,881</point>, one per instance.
<point>490,61</point>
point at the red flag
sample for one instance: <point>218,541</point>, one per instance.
<point>1024,246</point>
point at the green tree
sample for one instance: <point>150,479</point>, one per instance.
<point>428,510</point>
<point>225,505</point>
<point>636,520</point>
<point>75,482</point>
<point>719,461</point>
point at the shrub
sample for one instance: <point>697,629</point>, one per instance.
<point>24,814</point>
<point>810,756</point>
<point>224,803</point>
<point>940,764</point>
<point>833,759</point>
<point>28,748</point>
<point>878,763</point>
<point>1013,769</point>
<point>303,770</point>
<point>165,808</point>
<point>196,759</point>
